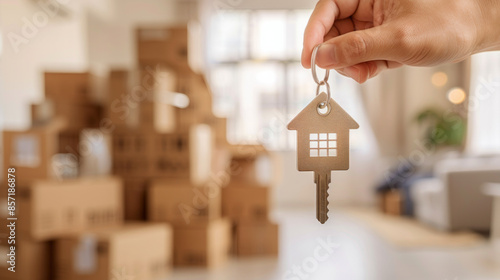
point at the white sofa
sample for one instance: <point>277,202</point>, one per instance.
<point>454,198</point>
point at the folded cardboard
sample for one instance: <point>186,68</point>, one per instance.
<point>131,251</point>
<point>30,152</point>
<point>183,205</point>
<point>33,260</point>
<point>50,209</point>
<point>245,203</point>
<point>256,239</point>
<point>205,245</point>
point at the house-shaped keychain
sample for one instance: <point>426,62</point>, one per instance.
<point>322,144</point>
<point>322,137</point>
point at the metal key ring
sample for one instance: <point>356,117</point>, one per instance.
<point>327,101</point>
<point>313,67</point>
<point>323,83</point>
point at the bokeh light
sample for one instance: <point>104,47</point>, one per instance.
<point>456,95</point>
<point>439,79</point>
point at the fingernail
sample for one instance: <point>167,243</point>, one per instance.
<point>353,72</point>
<point>325,56</point>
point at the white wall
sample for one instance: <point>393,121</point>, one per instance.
<point>52,42</point>
<point>92,33</point>
<point>111,36</point>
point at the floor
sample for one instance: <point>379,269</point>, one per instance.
<point>344,249</point>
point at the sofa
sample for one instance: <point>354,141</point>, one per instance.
<point>454,199</point>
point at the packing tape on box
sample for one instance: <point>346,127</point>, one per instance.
<point>85,255</point>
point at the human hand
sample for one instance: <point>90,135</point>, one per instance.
<point>361,38</point>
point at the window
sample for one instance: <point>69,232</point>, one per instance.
<point>323,144</point>
<point>258,83</point>
<point>484,101</point>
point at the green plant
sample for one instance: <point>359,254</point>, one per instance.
<point>442,128</point>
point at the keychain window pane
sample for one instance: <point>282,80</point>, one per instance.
<point>314,153</point>
<point>323,144</point>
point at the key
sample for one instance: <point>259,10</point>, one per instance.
<point>323,145</point>
<point>323,139</point>
<point>322,181</point>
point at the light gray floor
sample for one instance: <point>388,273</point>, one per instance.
<point>354,252</point>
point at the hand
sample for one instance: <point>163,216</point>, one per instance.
<point>361,38</point>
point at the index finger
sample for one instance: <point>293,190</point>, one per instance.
<point>321,21</point>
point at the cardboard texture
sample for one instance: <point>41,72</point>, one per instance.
<point>163,45</point>
<point>79,115</point>
<point>34,260</point>
<point>31,151</point>
<point>256,239</point>
<point>205,245</point>
<point>172,155</point>
<point>49,209</point>
<point>183,205</point>
<point>132,251</point>
<point>245,203</point>
<point>72,87</point>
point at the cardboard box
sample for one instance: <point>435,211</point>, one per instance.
<point>50,209</point>
<point>71,87</point>
<point>34,260</point>
<point>132,251</point>
<point>118,84</point>
<point>199,110</point>
<point>183,205</point>
<point>391,202</point>
<point>78,115</point>
<point>257,239</point>
<point>142,99</point>
<point>132,143</point>
<point>163,45</point>
<point>244,163</point>
<point>30,152</point>
<point>205,245</point>
<point>245,203</point>
<point>132,166</point>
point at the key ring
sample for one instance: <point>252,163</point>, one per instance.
<point>313,67</point>
<point>324,82</point>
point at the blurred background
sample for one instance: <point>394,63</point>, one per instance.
<point>147,140</point>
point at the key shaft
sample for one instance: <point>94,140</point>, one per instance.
<point>322,181</point>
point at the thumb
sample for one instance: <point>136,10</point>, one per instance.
<point>377,43</point>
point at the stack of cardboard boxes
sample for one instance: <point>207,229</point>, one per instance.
<point>74,98</point>
<point>69,229</point>
<point>182,191</point>
<point>172,167</point>
<point>247,203</point>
